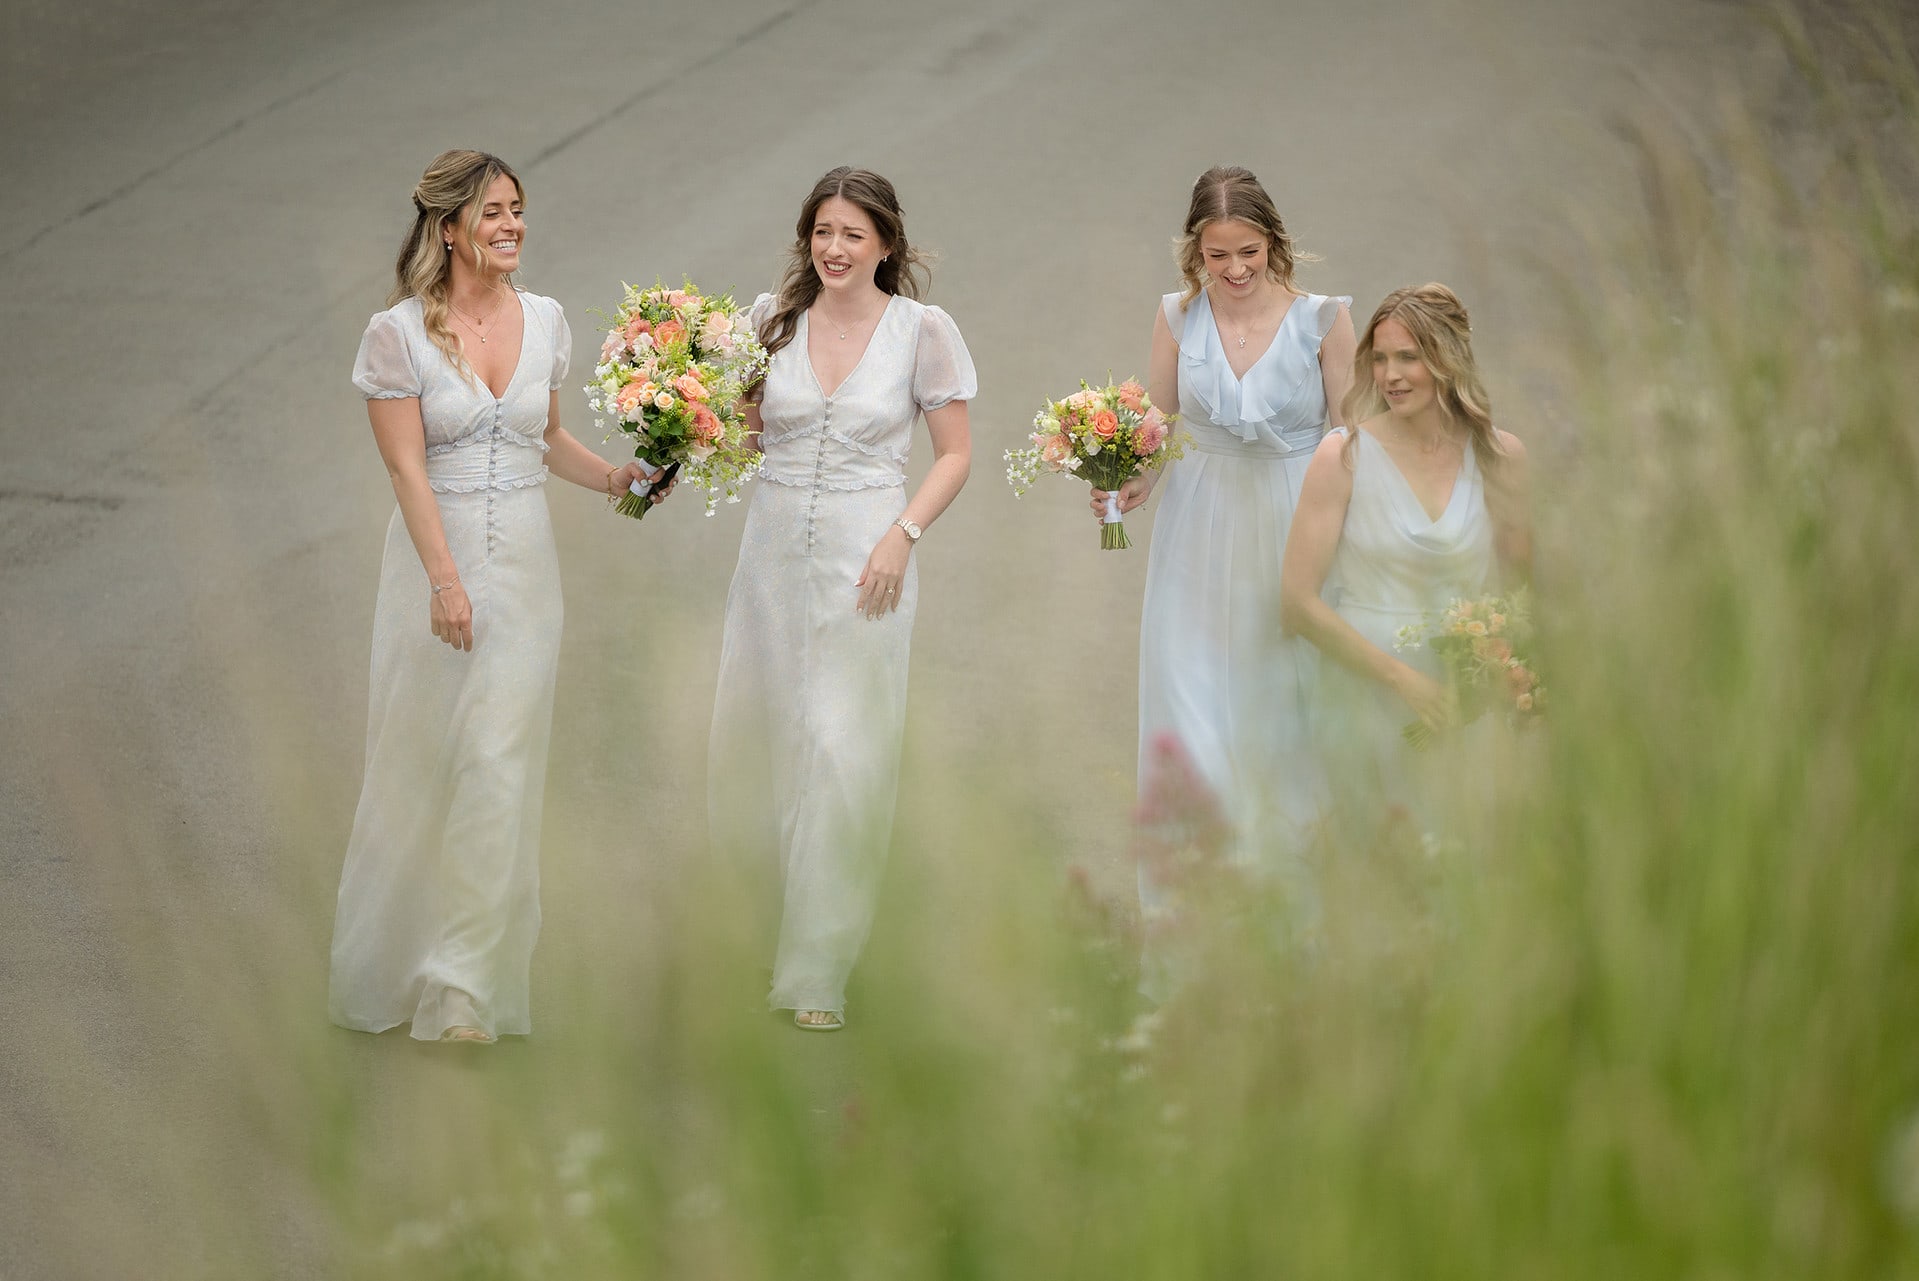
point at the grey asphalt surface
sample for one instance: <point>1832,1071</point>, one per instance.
<point>204,206</point>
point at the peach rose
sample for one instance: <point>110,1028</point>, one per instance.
<point>1132,396</point>
<point>1055,451</point>
<point>715,327</point>
<point>690,387</point>
<point>677,298</point>
<point>1496,648</point>
<point>707,427</point>
<point>1524,702</point>
<point>1105,422</point>
<point>669,332</point>
<point>631,397</point>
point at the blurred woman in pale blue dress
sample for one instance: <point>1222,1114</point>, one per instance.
<point>1419,502</point>
<point>439,898</point>
<point>1253,362</point>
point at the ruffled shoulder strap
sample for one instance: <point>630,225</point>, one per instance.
<point>1175,318</point>
<point>1325,313</point>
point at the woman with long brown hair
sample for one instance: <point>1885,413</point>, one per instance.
<point>439,898</point>
<point>812,687</point>
<point>1253,362</point>
<point>1421,501</point>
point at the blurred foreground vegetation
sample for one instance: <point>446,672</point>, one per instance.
<point>1663,1023</point>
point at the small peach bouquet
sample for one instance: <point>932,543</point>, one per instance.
<point>1484,646</point>
<point>1103,435</point>
<point>673,375</point>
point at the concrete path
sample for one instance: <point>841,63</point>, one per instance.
<point>203,209</point>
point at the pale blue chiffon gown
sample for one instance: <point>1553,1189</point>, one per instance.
<point>1394,566</point>
<point>1215,672</point>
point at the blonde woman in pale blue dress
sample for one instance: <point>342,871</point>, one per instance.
<point>811,705</point>
<point>439,898</point>
<point>1252,361</point>
<point>1421,501</point>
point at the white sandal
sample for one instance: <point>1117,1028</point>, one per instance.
<point>818,1020</point>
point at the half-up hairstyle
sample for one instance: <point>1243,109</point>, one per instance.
<point>453,184</point>
<point>1443,331</point>
<point>902,272</point>
<point>1227,193</point>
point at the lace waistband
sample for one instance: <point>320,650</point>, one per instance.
<point>484,483</point>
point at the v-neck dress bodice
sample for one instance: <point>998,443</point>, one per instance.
<point>1215,675</point>
<point>811,704</point>
<point>1394,560</point>
<point>439,897</point>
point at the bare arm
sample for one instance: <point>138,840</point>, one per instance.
<point>571,461</point>
<point>1509,504</point>
<point>952,436</point>
<point>1311,542</point>
<point>1162,388</point>
<point>1336,353</point>
<point>401,438</point>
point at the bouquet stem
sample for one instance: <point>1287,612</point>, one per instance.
<point>637,501</point>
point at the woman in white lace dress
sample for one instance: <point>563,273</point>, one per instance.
<point>1253,362</point>
<point>439,898</point>
<point>812,689</point>
<point>1423,500</point>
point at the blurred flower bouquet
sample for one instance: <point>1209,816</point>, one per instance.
<point>1103,435</point>
<point>672,375</point>
<point>1484,647</point>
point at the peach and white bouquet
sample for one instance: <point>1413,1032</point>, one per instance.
<point>673,375</point>
<point>1103,435</point>
<point>1484,646</point>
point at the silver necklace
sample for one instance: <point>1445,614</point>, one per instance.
<point>851,325</point>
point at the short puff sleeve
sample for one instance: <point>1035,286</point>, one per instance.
<point>384,369</point>
<point>943,372</point>
<point>759,312</point>
<point>562,344</point>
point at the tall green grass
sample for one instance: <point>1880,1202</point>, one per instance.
<point>1662,1021</point>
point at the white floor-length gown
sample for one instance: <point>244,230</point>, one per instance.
<point>439,898</point>
<point>1394,566</point>
<point>811,705</point>
<point>1214,671</point>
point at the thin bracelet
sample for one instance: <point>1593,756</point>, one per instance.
<point>611,497</point>
<point>443,587</point>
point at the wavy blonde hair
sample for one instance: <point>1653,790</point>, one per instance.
<point>450,192</point>
<point>1227,193</point>
<point>1443,331</point>
<point>902,272</point>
